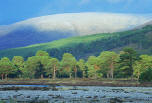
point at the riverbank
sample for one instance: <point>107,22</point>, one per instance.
<point>77,82</point>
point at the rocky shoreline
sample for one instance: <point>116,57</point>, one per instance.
<point>83,94</point>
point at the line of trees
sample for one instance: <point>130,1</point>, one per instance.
<point>126,64</point>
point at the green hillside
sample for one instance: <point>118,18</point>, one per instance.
<point>84,46</point>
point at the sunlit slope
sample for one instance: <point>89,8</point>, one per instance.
<point>84,46</point>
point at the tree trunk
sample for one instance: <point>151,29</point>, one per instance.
<point>107,75</point>
<point>75,71</point>
<point>112,69</point>
<point>75,75</point>
<point>41,76</point>
<point>132,78</point>
<point>95,75</point>
<point>49,76</point>
<point>6,76</point>
<point>83,73</point>
<point>131,67</point>
<point>54,73</point>
<point>2,76</point>
<point>70,75</point>
<point>138,75</point>
<point>132,75</point>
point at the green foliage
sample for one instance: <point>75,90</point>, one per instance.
<point>68,64</point>
<point>41,53</point>
<point>146,76</point>
<point>93,66</point>
<point>52,67</point>
<point>127,59</point>
<point>18,63</point>
<point>92,73</point>
<point>6,67</point>
<point>82,68</point>
<point>84,46</point>
<point>31,65</point>
<point>107,63</point>
<point>142,65</point>
<point>35,66</point>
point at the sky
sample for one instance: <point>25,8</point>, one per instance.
<point>12,11</point>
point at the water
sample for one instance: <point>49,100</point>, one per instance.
<point>78,94</point>
<point>1,86</point>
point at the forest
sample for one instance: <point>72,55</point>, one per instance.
<point>83,46</point>
<point>109,64</point>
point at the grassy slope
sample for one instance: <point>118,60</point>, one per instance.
<point>83,46</point>
<point>55,44</point>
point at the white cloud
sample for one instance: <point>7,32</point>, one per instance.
<point>83,23</point>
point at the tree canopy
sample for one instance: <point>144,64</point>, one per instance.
<point>126,64</point>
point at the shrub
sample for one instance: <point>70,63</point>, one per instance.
<point>146,76</point>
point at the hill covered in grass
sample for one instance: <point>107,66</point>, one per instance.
<point>84,46</point>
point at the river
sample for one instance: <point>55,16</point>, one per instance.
<point>77,94</point>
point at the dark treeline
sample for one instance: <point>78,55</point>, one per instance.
<point>126,64</point>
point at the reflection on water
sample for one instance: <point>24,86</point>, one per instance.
<point>77,94</point>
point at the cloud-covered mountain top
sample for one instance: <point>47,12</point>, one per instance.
<point>80,23</point>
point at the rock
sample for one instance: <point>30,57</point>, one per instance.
<point>88,97</point>
<point>126,92</point>
<point>95,97</point>
<point>57,96</point>
<point>104,96</point>
<point>85,90</point>
<point>75,88</point>
<point>74,93</point>
<point>50,95</point>
<point>45,89</point>
<point>19,94</point>
<point>14,96</point>
<point>54,88</point>
<point>116,100</point>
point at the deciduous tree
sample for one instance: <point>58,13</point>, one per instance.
<point>6,67</point>
<point>107,62</point>
<point>69,64</point>
<point>52,67</point>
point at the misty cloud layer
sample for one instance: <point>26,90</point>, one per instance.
<point>80,23</point>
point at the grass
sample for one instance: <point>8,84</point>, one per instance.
<point>66,80</point>
<point>22,51</point>
<point>116,82</point>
